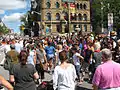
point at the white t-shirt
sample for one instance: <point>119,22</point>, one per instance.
<point>7,48</point>
<point>64,79</point>
<point>76,59</point>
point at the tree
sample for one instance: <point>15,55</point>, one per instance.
<point>3,29</point>
<point>103,7</point>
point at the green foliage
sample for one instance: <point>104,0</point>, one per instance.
<point>3,29</point>
<point>109,6</point>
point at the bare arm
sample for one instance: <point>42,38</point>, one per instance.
<point>36,76</point>
<point>35,57</point>
<point>6,83</point>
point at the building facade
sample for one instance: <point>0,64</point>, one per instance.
<point>60,16</point>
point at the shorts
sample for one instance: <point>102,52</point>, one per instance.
<point>49,56</point>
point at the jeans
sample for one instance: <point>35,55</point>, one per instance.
<point>77,67</point>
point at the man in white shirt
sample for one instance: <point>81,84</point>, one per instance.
<point>76,60</point>
<point>18,46</point>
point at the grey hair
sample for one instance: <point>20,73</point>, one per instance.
<point>107,54</point>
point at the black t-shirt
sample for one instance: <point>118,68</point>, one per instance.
<point>23,75</point>
<point>88,53</point>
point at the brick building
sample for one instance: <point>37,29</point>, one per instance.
<point>58,16</point>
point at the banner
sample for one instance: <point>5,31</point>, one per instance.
<point>110,21</point>
<point>72,7</point>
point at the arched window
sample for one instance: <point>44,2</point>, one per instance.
<point>66,16</point>
<point>79,17</point>
<point>74,27</point>
<point>57,16</point>
<point>75,17</point>
<point>48,16</point>
<point>80,26</point>
<point>85,17</point>
<point>57,5</point>
<point>48,4</point>
<point>80,6</point>
<point>85,28</point>
<point>59,28</point>
<point>85,6</point>
<point>77,6</point>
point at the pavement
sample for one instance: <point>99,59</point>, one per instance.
<point>84,86</point>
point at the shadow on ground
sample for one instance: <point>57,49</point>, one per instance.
<point>81,88</point>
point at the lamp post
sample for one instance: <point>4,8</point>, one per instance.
<point>102,8</point>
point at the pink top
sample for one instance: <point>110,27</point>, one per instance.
<point>107,75</point>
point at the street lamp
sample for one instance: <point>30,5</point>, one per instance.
<point>102,8</point>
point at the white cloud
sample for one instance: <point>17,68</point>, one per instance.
<point>12,18</point>
<point>2,11</point>
<point>12,4</point>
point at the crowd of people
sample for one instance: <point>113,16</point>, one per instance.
<point>67,58</point>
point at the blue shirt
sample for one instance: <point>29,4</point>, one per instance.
<point>49,50</point>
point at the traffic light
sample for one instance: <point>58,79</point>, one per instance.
<point>22,28</point>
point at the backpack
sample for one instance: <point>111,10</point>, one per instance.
<point>8,64</point>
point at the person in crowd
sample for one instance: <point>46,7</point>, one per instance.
<point>50,53</point>
<point>59,49</point>
<point>116,52</point>
<point>77,60</point>
<point>107,75</point>
<point>7,47</point>
<point>5,83</point>
<point>12,55</point>
<point>87,60</point>
<point>18,46</point>
<point>32,54</point>
<point>23,74</point>
<point>96,59</point>
<point>64,75</point>
<point>41,60</point>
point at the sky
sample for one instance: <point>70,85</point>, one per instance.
<point>11,11</point>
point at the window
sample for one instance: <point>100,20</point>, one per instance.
<point>85,17</point>
<point>77,6</point>
<point>74,26</point>
<point>80,7</point>
<point>75,17</point>
<point>57,16</point>
<point>84,6</point>
<point>66,16</point>
<point>59,29</point>
<point>48,4</point>
<point>57,5</point>
<point>85,28</point>
<point>80,26</point>
<point>79,17</point>
<point>48,16</point>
